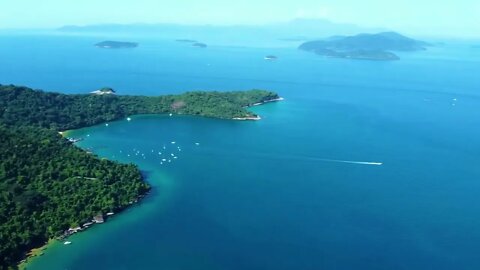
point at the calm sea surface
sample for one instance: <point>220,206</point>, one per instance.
<point>300,189</point>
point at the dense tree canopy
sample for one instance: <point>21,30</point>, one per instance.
<point>48,185</point>
<point>23,106</point>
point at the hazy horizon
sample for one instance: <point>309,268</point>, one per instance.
<point>425,19</point>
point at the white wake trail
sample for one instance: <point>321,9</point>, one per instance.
<point>296,157</point>
<point>352,162</point>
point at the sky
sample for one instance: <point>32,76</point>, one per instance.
<point>446,18</point>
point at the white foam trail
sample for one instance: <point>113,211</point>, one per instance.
<point>300,158</point>
<point>352,162</point>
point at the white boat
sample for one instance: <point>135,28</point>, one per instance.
<point>270,57</point>
<point>129,119</point>
<point>67,243</point>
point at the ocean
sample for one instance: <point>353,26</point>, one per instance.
<point>364,165</point>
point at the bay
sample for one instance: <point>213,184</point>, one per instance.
<point>284,192</point>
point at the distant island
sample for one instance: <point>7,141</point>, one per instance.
<point>294,39</point>
<point>49,188</point>
<point>199,45</point>
<point>186,40</point>
<point>359,54</point>
<point>364,46</point>
<point>116,45</point>
<point>194,43</point>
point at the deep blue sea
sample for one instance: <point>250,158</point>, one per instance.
<point>300,189</point>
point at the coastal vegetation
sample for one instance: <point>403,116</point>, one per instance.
<point>48,185</point>
<point>24,106</point>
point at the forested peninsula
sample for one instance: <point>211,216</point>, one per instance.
<point>48,185</point>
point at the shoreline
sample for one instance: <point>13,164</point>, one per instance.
<point>266,101</point>
<point>257,117</point>
<point>65,133</point>
<point>39,251</point>
<point>249,118</point>
<point>35,253</point>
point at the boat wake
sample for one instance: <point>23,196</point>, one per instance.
<point>299,158</point>
<point>352,162</point>
<point>318,159</point>
<point>371,163</point>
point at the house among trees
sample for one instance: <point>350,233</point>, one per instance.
<point>98,218</point>
<point>104,91</point>
<point>74,230</point>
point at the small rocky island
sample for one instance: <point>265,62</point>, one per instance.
<point>199,45</point>
<point>376,47</point>
<point>186,40</point>
<point>108,44</point>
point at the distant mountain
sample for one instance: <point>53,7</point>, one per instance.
<point>111,28</point>
<point>364,46</point>
<point>285,33</point>
<point>316,28</point>
<point>312,28</point>
<point>370,42</point>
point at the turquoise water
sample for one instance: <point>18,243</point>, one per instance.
<point>270,194</point>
